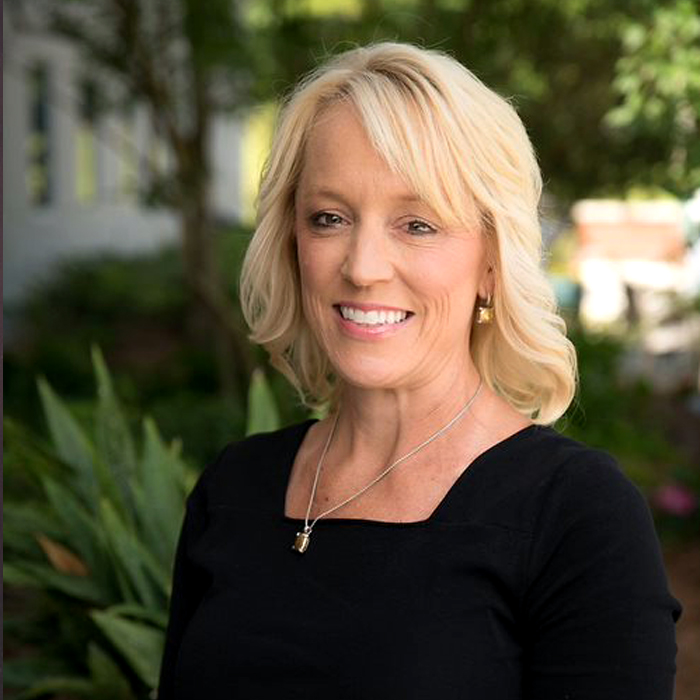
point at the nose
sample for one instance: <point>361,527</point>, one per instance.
<point>368,257</point>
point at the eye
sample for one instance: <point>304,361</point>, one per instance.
<point>421,228</point>
<point>326,219</point>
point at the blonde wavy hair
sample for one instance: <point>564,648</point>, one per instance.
<point>463,149</point>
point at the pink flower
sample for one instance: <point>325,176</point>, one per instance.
<point>675,499</point>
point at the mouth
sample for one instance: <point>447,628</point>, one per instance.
<point>373,316</point>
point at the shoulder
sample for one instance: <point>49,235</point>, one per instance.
<point>244,466</point>
<point>575,476</point>
<point>549,459</point>
<point>584,507</point>
<point>595,599</point>
<point>539,476</point>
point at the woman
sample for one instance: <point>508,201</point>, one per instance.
<point>432,537</point>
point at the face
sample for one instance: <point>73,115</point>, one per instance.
<point>387,288</point>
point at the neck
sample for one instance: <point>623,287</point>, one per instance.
<point>377,426</point>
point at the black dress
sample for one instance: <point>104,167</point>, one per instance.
<point>538,577</point>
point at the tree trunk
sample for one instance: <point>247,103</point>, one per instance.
<point>204,278</point>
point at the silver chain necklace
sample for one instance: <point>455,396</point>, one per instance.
<point>301,542</point>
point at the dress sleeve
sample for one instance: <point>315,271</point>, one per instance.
<point>189,585</point>
<point>599,618</point>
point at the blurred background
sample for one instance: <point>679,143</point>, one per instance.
<point>134,135</point>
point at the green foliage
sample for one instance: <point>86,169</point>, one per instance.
<point>618,417</point>
<point>557,60</point>
<point>160,355</point>
<point>565,63</point>
<point>105,681</point>
<point>101,538</point>
<point>97,533</point>
<point>262,409</point>
<point>140,643</point>
<point>634,424</point>
<point>658,79</point>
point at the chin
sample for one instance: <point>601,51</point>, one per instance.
<point>378,376</point>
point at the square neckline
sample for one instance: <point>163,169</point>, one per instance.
<point>463,476</point>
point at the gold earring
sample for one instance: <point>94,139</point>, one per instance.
<point>484,312</point>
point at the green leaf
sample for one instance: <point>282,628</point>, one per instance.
<point>69,440</point>
<point>107,678</point>
<point>114,440</point>
<point>14,576</point>
<point>27,457</point>
<point>82,533</point>
<point>122,581</point>
<point>80,687</point>
<point>24,672</point>
<point>21,523</point>
<point>141,645</point>
<point>160,496</point>
<point>79,526</point>
<point>43,576</point>
<point>263,415</point>
<point>158,618</point>
<point>132,559</point>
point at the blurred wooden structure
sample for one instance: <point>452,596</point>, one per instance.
<point>630,230</point>
<point>637,273</point>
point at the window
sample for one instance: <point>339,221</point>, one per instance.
<point>128,155</point>
<point>38,173</point>
<point>86,143</point>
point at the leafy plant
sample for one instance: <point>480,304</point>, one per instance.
<point>102,538</point>
<point>263,415</point>
<point>97,533</point>
<point>159,355</point>
<point>658,81</point>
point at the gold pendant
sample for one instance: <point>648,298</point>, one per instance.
<point>301,543</point>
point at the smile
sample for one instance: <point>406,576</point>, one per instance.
<point>374,317</point>
<point>371,321</point>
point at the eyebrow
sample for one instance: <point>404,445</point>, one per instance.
<point>332,194</point>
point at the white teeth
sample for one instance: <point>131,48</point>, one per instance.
<point>372,318</point>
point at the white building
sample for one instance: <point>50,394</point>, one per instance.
<point>71,175</point>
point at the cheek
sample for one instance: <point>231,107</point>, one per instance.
<point>319,264</point>
<point>315,275</point>
<point>450,289</point>
<point>308,265</point>
<point>451,280</point>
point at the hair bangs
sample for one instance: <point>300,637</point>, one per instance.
<point>397,118</point>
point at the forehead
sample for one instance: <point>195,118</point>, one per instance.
<point>339,151</point>
<point>340,119</point>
